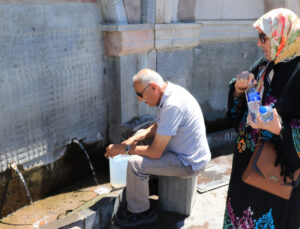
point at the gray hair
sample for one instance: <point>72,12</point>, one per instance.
<point>146,76</point>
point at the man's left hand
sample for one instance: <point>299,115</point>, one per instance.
<point>114,149</point>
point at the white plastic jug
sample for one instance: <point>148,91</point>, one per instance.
<point>117,170</point>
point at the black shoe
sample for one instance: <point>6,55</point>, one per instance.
<point>129,219</point>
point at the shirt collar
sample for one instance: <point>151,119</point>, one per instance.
<point>165,95</point>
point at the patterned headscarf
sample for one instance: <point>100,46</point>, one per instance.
<point>283,27</point>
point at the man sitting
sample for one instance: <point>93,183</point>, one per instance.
<point>179,147</point>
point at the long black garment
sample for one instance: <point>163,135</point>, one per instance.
<point>246,206</point>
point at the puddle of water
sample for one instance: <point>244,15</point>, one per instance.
<point>102,190</point>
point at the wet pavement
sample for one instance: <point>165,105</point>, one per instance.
<point>207,213</point>
<point>56,206</point>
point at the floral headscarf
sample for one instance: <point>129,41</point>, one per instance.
<point>283,27</point>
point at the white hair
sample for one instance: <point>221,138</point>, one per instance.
<point>146,76</point>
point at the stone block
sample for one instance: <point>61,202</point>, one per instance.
<point>70,15</point>
<point>242,9</point>
<point>229,9</point>
<point>20,18</point>
<point>123,104</point>
<point>152,60</point>
<point>208,9</point>
<point>176,66</point>
<point>273,4</point>
<point>177,36</point>
<point>186,10</point>
<point>177,194</point>
<point>214,65</point>
<point>72,220</point>
<point>130,27</point>
<point>108,208</point>
<point>231,30</point>
<point>119,43</point>
<point>130,65</point>
<point>91,218</point>
<point>133,11</point>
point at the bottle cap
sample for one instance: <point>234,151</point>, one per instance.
<point>262,109</point>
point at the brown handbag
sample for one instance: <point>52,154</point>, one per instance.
<point>262,173</point>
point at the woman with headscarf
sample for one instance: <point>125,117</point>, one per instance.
<point>277,78</point>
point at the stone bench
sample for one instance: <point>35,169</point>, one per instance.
<point>177,194</point>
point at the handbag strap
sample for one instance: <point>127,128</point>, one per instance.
<point>297,182</point>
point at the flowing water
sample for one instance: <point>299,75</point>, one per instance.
<point>99,190</point>
<point>46,216</point>
<point>14,166</point>
<point>39,222</point>
<point>88,157</point>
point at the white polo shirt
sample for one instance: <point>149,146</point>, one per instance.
<point>179,115</point>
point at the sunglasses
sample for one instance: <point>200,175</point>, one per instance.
<point>140,94</point>
<point>262,37</point>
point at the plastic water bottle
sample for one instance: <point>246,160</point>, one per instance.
<point>117,170</point>
<point>266,113</point>
<point>253,100</point>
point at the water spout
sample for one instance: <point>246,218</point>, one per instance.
<point>15,167</point>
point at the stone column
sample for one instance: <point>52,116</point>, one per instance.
<point>128,49</point>
<point>170,11</point>
<point>148,7</point>
<point>159,11</point>
<point>133,11</point>
<point>113,11</point>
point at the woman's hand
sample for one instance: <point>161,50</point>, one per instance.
<point>242,83</point>
<point>273,126</point>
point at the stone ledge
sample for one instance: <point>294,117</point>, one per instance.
<point>177,36</point>
<point>230,30</point>
<point>96,213</point>
<point>126,39</point>
<point>120,43</point>
<point>72,220</point>
<point>125,27</point>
